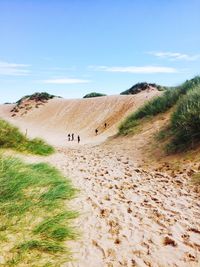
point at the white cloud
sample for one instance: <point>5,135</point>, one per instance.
<point>175,56</point>
<point>13,69</point>
<point>66,81</point>
<point>135,69</point>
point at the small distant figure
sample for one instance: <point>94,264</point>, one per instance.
<point>26,132</point>
<point>96,131</point>
<point>105,125</point>
<point>78,139</point>
<point>69,136</point>
<point>72,137</point>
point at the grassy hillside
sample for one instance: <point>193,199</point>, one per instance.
<point>93,94</point>
<point>34,220</point>
<point>11,137</point>
<point>183,129</point>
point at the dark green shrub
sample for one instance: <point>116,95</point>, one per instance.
<point>138,87</point>
<point>37,97</point>
<point>93,94</point>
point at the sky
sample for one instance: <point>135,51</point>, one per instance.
<point>73,47</point>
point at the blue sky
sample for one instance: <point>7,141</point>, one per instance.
<point>73,47</point>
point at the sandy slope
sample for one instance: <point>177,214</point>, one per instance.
<point>129,216</point>
<point>54,120</point>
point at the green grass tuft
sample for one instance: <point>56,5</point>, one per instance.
<point>185,121</point>
<point>55,227</point>
<point>12,138</point>
<point>128,126</point>
<point>34,219</point>
<point>43,246</point>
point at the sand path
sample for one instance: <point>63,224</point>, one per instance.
<point>129,217</point>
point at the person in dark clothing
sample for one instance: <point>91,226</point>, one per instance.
<point>105,125</point>
<point>69,136</point>
<point>78,139</point>
<point>96,131</point>
<point>72,137</point>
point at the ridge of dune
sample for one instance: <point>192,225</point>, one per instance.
<point>58,117</point>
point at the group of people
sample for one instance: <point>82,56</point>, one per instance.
<point>71,137</point>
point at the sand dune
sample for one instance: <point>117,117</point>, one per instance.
<point>55,119</point>
<point>128,216</point>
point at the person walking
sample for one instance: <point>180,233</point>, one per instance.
<point>78,139</point>
<point>72,137</point>
<point>105,125</point>
<point>96,131</point>
<point>69,136</point>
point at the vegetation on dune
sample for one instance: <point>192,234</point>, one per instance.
<point>34,221</point>
<point>183,131</point>
<point>138,87</point>
<point>153,107</point>
<point>128,126</point>
<point>37,97</point>
<point>186,117</point>
<point>158,105</point>
<point>93,94</point>
<point>11,137</point>
<point>185,122</point>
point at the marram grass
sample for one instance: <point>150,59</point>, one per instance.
<point>183,131</point>
<point>35,222</point>
<point>12,138</point>
<point>158,105</point>
<point>185,121</point>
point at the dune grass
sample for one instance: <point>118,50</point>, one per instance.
<point>153,107</point>
<point>183,131</point>
<point>158,105</point>
<point>185,122</point>
<point>34,220</point>
<point>11,137</point>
